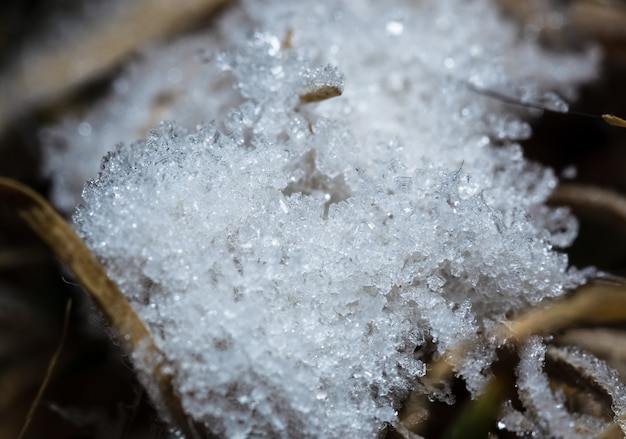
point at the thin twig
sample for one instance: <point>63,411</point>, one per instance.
<point>48,375</point>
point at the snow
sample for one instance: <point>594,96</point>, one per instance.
<point>331,192</point>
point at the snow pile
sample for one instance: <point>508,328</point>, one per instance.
<point>290,257</point>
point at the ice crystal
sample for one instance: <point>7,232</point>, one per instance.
<point>290,254</point>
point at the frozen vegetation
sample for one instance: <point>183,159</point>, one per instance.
<point>291,254</point>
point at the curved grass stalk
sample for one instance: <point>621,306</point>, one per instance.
<point>591,201</point>
<point>73,252</point>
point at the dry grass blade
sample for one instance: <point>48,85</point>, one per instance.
<point>614,120</point>
<point>42,74</point>
<point>591,201</point>
<point>597,303</point>
<point>320,94</point>
<point>48,375</point>
<point>71,250</point>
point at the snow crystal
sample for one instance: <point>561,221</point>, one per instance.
<point>291,251</point>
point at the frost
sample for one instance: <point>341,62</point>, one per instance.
<point>546,409</point>
<point>598,372</point>
<point>290,252</point>
<point>545,412</point>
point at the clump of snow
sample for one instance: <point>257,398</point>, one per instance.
<point>290,257</point>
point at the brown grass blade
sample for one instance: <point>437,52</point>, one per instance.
<point>614,120</point>
<point>72,251</point>
<point>597,303</point>
<point>320,94</point>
